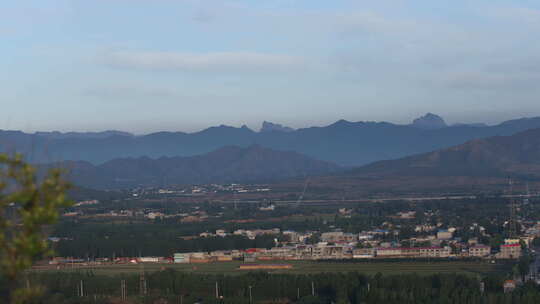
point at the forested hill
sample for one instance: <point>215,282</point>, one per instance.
<point>228,164</point>
<point>343,142</point>
<point>517,155</point>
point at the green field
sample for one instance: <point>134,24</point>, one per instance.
<point>307,267</point>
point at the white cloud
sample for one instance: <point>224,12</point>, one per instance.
<point>215,61</point>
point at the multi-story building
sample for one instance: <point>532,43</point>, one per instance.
<point>479,251</point>
<point>414,252</point>
<point>363,253</point>
<point>509,251</point>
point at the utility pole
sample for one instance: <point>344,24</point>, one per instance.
<point>298,293</point>
<point>123,290</point>
<point>250,296</point>
<point>217,291</point>
<point>142,284</point>
<point>82,289</point>
<point>482,287</point>
<point>312,288</point>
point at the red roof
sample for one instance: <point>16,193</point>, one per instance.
<point>252,250</point>
<point>511,245</point>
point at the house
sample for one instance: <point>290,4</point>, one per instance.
<point>221,233</point>
<point>379,232</point>
<point>269,208</point>
<point>406,215</point>
<point>424,228</point>
<point>148,260</point>
<point>181,258</point>
<point>365,236</point>
<point>249,257</point>
<point>444,234</point>
<point>345,211</point>
<point>332,236</point>
<point>472,241</point>
<point>154,215</point>
<point>509,286</point>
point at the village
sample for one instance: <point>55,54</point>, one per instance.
<point>338,245</point>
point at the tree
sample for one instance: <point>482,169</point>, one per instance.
<point>313,239</point>
<point>536,242</point>
<point>524,265</point>
<point>27,205</point>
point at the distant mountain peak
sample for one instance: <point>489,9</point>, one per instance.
<point>226,128</point>
<point>271,127</point>
<point>429,121</point>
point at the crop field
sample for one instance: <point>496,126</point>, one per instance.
<point>303,267</point>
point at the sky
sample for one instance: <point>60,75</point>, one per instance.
<point>183,65</point>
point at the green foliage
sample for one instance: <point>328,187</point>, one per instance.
<point>129,240</point>
<point>350,288</point>
<point>27,205</point>
<point>524,264</point>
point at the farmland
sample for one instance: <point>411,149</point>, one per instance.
<point>304,267</point>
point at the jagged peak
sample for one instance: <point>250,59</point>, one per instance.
<point>429,121</point>
<point>272,127</point>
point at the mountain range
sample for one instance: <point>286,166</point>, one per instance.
<point>226,165</point>
<point>343,142</point>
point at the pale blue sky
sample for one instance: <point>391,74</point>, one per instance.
<point>149,65</point>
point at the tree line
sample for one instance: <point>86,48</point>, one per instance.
<point>170,286</point>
